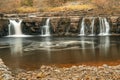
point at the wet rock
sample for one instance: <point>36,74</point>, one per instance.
<point>1,15</point>
<point>63,26</point>
<point>60,25</point>
<point>54,24</point>
<point>74,25</point>
<point>118,25</point>
<point>4,27</point>
<point>33,26</point>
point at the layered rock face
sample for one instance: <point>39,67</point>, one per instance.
<point>4,27</point>
<point>61,25</point>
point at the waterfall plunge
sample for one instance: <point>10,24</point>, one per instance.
<point>104,26</point>
<point>92,27</point>
<point>82,30</point>
<point>45,31</point>
<point>15,27</point>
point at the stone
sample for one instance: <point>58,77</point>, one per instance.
<point>40,75</point>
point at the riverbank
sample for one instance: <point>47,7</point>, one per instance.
<point>80,72</point>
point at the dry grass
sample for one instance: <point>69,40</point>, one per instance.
<point>103,6</point>
<point>71,7</point>
<point>27,9</point>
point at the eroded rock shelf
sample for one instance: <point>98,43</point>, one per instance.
<point>61,25</point>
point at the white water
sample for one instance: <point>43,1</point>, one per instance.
<point>17,27</point>
<point>92,27</point>
<point>107,27</point>
<point>82,30</point>
<point>104,26</point>
<point>45,31</point>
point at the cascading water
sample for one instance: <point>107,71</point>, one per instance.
<point>15,27</point>
<point>82,30</point>
<point>104,26</point>
<point>92,27</point>
<point>45,31</point>
<point>107,27</point>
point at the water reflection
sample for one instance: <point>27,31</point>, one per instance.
<point>60,44</point>
<point>16,47</point>
<point>104,45</point>
<point>83,46</point>
<point>88,46</point>
<point>33,52</point>
<point>46,45</point>
<point>93,46</point>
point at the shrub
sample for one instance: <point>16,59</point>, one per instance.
<point>106,4</point>
<point>26,2</point>
<point>101,4</point>
<point>56,3</point>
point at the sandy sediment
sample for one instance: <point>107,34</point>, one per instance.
<point>81,72</point>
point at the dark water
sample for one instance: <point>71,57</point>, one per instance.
<point>32,52</point>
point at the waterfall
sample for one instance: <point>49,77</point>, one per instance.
<point>45,31</point>
<point>100,23</point>
<point>107,27</point>
<point>15,27</point>
<point>104,26</point>
<point>82,30</point>
<point>92,26</point>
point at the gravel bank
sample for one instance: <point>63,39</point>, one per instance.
<point>5,74</point>
<point>81,72</point>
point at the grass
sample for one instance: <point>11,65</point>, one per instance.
<point>70,7</point>
<point>55,9</point>
<point>27,9</point>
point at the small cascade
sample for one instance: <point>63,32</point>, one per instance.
<point>107,27</point>
<point>15,27</point>
<point>45,31</point>
<point>82,30</point>
<point>92,27</point>
<point>104,26</point>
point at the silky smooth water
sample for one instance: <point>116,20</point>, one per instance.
<point>45,31</point>
<point>16,27</point>
<point>82,30</point>
<point>32,52</point>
